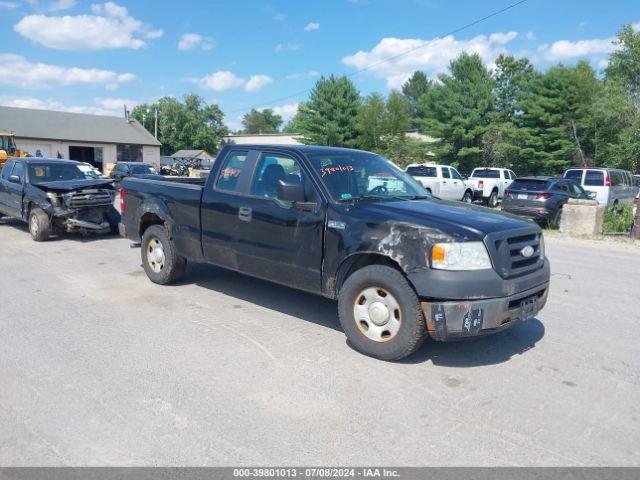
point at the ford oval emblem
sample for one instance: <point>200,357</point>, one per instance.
<point>527,251</point>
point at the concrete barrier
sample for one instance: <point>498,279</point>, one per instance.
<point>582,217</point>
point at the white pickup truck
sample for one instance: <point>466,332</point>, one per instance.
<point>488,184</point>
<point>441,181</point>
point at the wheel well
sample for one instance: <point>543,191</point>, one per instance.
<point>357,261</point>
<point>149,219</point>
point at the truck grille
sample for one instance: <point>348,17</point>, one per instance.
<point>88,198</point>
<point>506,250</point>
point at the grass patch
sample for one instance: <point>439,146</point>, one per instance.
<point>618,220</point>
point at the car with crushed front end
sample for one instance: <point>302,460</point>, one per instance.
<point>57,195</point>
<point>351,226</point>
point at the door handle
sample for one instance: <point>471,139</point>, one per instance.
<point>444,181</point>
<point>244,214</point>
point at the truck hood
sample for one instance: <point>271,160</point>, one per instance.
<point>69,185</point>
<point>452,218</point>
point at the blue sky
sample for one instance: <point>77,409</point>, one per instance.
<point>92,57</point>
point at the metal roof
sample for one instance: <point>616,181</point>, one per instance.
<point>77,127</point>
<point>188,153</point>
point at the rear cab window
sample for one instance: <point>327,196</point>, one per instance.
<point>575,175</point>
<point>594,178</point>
<point>422,171</point>
<point>485,173</point>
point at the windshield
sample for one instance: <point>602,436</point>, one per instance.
<point>530,185</point>
<point>52,172</point>
<point>359,174</point>
<point>142,169</point>
<point>485,173</point>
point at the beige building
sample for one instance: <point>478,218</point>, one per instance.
<point>97,139</point>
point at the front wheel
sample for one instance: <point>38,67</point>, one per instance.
<point>380,313</point>
<point>467,197</point>
<point>160,260</point>
<point>39,225</point>
<point>492,201</point>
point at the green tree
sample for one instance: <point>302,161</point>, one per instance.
<point>459,109</point>
<point>369,122</point>
<point>190,124</point>
<point>397,115</point>
<point>414,88</point>
<point>261,121</point>
<point>329,117</point>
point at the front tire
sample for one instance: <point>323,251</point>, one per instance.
<point>380,313</point>
<point>492,201</point>
<point>160,260</point>
<point>467,197</point>
<point>39,225</point>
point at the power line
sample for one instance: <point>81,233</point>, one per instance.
<point>394,57</point>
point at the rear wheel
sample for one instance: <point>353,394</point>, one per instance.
<point>39,225</point>
<point>380,313</point>
<point>160,260</point>
<point>554,221</point>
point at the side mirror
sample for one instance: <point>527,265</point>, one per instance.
<point>290,192</point>
<point>3,155</point>
<point>14,179</point>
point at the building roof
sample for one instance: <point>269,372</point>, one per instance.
<point>189,153</point>
<point>78,127</point>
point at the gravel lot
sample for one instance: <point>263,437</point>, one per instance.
<point>98,366</point>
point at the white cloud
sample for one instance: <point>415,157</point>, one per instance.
<point>303,76</point>
<point>636,26</point>
<point>101,106</point>
<point>286,111</point>
<point>566,49</point>
<point>395,59</point>
<point>59,5</point>
<point>20,72</point>
<point>109,26</point>
<point>311,26</point>
<point>220,81</point>
<point>530,35</point>
<point>9,5</point>
<point>282,47</point>
<point>194,41</point>
<point>256,82</point>
<point>279,17</point>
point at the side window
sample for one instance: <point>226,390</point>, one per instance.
<point>7,169</point>
<point>576,189</point>
<point>512,175</point>
<point>616,178</point>
<point>445,172</point>
<point>18,170</point>
<point>455,174</point>
<point>273,168</point>
<point>231,170</point>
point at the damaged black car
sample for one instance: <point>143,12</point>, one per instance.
<point>54,195</point>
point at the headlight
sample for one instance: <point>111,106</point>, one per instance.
<point>54,199</point>
<point>460,256</point>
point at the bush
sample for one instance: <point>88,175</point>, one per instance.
<point>618,220</point>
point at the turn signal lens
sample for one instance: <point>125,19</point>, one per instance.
<point>438,253</point>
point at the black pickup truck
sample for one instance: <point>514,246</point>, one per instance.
<point>351,226</point>
<point>52,194</point>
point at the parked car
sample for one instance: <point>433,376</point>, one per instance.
<point>441,181</point>
<point>541,198</point>
<point>612,186</point>
<point>52,194</point>
<point>401,263</point>
<point>126,169</point>
<point>488,184</point>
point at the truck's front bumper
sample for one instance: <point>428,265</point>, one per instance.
<point>449,320</point>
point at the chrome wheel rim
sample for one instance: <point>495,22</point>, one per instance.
<point>466,198</point>
<point>377,314</point>
<point>155,255</point>
<point>33,225</point>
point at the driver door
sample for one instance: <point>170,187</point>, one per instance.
<point>13,192</point>
<point>281,241</point>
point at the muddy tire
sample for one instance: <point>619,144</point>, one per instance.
<point>554,222</point>
<point>380,313</point>
<point>39,225</point>
<point>467,197</point>
<point>160,260</point>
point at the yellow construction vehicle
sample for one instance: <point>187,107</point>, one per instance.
<point>8,147</point>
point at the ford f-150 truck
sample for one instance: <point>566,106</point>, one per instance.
<point>52,194</point>
<point>351,226</point>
